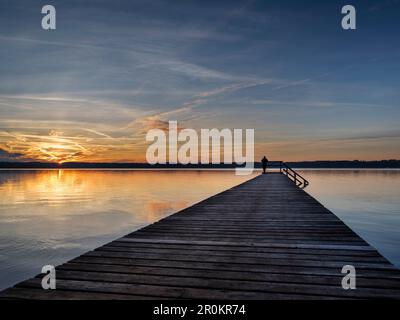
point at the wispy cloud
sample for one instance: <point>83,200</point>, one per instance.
<point>235,87</point>
<point>42,98</point>
<point>316,104</point>
<point>377,135</point>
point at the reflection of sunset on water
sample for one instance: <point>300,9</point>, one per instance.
<point>50,216</point>
<point>148,191</point>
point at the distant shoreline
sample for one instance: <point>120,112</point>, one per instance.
<point>345,164</point>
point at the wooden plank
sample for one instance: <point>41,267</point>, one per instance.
<point>333,279</point>
<point>190,283</point>
<point>233,259</point>
<point>253,244</point>
<point>271,255</point>
<point>309,270</point>
<point>172,292</point>
<point>215,249</point>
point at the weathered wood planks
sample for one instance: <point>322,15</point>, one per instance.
<point>263,239</point>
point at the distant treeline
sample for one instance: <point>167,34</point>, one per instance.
<point>106,165</point>
<point>301,164</point>
<point>351,164</point>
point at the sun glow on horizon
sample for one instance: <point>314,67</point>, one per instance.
<point>128,144</point>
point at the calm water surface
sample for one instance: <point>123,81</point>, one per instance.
<point>366,200</point>
<point>51,216</point>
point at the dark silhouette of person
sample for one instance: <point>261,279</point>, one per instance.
<point>264,162</point>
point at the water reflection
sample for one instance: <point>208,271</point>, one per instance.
<point>51,216</point>
<point>366,200</point>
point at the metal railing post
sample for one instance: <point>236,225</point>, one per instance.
<point>297,178</point>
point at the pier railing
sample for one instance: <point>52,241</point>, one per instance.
<point>293,175</point>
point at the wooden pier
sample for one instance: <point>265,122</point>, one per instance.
<point>264,239</point>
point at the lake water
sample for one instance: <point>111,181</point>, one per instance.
<point>51,216</point>
<point>366,200</point>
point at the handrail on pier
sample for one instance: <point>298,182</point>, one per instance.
<point>293,175</point>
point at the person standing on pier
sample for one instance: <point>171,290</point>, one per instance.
<point>264,162</point>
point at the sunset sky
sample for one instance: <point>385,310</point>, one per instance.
<point>91,89</point>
